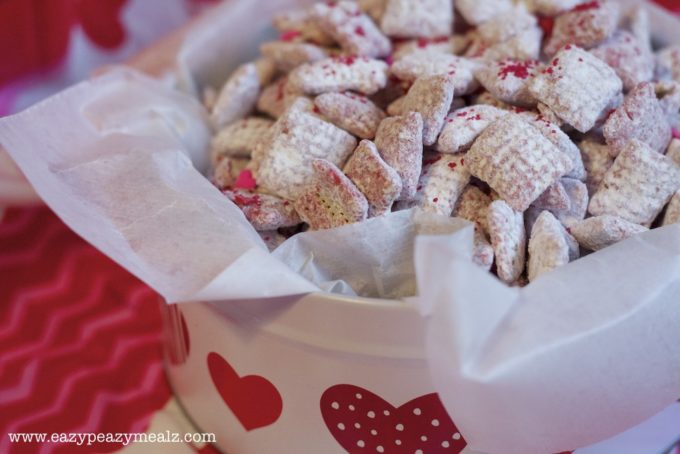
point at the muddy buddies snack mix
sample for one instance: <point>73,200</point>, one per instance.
<point>551,125</point>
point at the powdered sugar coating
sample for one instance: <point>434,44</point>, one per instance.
<point>639,117</point>
<point>577,87</point>
<point>276,98</point>
<point>443,179</point>
<point>562,141</point>
<point>459,69</point>
<point>288,55</point>
<point>417,18</point>
<point>284,160</point>
<point>463,126</point>
<point>360,74</point>
<point>672,215</point>
<point>400,143</point>
<point>516,160</point>
<point>600,232</point>
<point>473,205</point>
<point>553,199</point>
<point>354,113</point>
<point>508,238</point>
<point>301,24</point>
<point>227,171</point>
<point>504,25</point>
<point>548,247</point>
<point>431,97</point>
<point>508,80</point>
<point>597,160</point>
<point>264,211</point>
<point>439,45</point>
<point>330,199</point>
<point>585,26</point>
<point>631,61</point>
<point>637,186</point>
<point>482,252</point>
<point>240,138</point>
<point>379,182</point>
<point>577,191</point>
<point>476,12</point>
<point>356,33</point>
<point>238,95</point>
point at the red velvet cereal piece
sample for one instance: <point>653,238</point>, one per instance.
<point>417,18</point>
<point>459,69</point>
<point>597,160</point>
<point>637,186</point>
<point>379,182</point>
<point>284,159</point>
<point>239,94</point>
<point>301,24</point>
<point>548,247</point>
<point>354,113</point>
<point>356,33</point>
<point>463,126</point>
<point>555,7</point>
<point>632,62</point>
<point>673,150</point>
<point>516,160</point>
<point>508,80</point>
<point>482,252</point>
<point>562,141</point>
<point>600,232</point>
<point>672,215</point>
<point>239,138</point>
<point>360,74</point>
<point>330,199</point>
<point>508,238</point>
<point>400,143</point>
<point>476,12</point>
<point>585,26</point>
<point>431,97</point>
<point>553,199</point>
<point>577,191</point>
<point>577,87</point>
<point>639,117</point>
<point>227,171</point>
<point>443,179</point>
<point>264,211</point>
<point>272,239</point>
<point>289,55</point>
<point>473,205</point>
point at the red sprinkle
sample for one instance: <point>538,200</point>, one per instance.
<point>452,165</point>
<point>517,69</point>
<point>676,133</point>
<point>244,200</point>
<point>348,60</point>
<point>245,180</point>
<point>435,200</point>
<point>360,31</point>
<point>290,35</point>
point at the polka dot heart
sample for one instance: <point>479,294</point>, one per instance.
<point>363,422</point>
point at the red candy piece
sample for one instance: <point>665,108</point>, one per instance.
<point>245,180</point>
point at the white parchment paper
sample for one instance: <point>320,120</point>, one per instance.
<point>579,355</point>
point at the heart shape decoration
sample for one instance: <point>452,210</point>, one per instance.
<point>253,399</point>
<point>362,421</point>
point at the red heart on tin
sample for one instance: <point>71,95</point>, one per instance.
<point>253,399</point>
<point>362,421</point>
